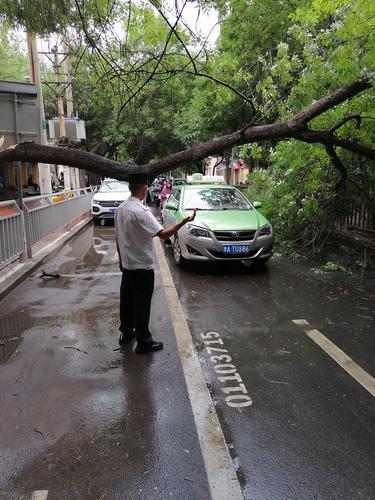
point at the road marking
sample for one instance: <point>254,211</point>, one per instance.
<point>222,479</point>
<point>222,366</point>
<point>39,495</point>
<point>358,373</point>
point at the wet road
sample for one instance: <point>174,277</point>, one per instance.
<point>78,419</point>
<point>86,422</point>
<point>309,431</point>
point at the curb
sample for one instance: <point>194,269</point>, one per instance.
<point>22,270</point>
<point>221,474</point>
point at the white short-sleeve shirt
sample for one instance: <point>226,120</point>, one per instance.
<point>135,228</point>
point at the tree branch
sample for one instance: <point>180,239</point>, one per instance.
<point>172,31</point>
<point>174,28</point>
<point>29,151</point>
<point>341,122</point>
<point>317,108</point>
<point>291,129</point>
<point>325,137</point>
<point>339,166</point>
<point>224,84</point>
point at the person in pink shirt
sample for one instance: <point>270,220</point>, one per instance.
<point>165,192</point>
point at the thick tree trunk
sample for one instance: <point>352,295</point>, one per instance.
<point>295,128</point>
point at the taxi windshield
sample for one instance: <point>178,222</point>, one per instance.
<point>116,186</point>
<point>215,199</point>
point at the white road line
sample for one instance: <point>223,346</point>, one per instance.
<point>221,475</point>
<point>358,373</point>
<point>39,495</point>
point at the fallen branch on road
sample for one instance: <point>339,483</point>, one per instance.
<point>297,127</point>
<point>49,275</point>
<point>75,348</point>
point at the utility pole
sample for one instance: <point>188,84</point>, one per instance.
<point>63,84</point>
<point>59,94</point>
<point>60,107</point>
<point>74,172</point>
<point>69,83</point>
<point>44,169</point>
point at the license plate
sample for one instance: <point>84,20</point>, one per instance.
<point>234,249</point>
<point>112,210</point>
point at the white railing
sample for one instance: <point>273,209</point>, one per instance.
<point>11,232</point>
<point>40,217</point>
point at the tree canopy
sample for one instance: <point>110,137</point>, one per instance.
<point>13,62</point>
<point>155,95</point>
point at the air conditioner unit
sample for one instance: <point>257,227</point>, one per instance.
<point>74,127</point>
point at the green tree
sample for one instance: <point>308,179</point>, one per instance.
<point>13,62</point>
<point>336,44</point>
<point>299,92</point>
<point>125,121</point>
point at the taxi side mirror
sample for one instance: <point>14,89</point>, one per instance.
<point>170,205</point>
<point>257,204</point>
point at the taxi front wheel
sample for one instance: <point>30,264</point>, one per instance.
<point>178,258</point>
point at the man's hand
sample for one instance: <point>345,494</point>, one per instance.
<point>164,234</point>
<point>190,217</point>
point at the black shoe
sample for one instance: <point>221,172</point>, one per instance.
<point>143,347</point>
<point>125,338</point>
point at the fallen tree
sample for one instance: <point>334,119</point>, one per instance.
<point>297,127</point>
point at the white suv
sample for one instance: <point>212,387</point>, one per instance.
<point>109,196</point>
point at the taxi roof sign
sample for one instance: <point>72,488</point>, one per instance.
<point>198,178</point>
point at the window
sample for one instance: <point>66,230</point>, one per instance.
<point>114,186</point>
<point>215,199</point>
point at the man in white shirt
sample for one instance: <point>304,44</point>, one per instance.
<point>135,229</point>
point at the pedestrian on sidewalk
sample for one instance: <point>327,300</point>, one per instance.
<point>135,228</point>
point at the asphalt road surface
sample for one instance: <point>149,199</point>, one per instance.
<point>309,429</point>
<point>78,419</point>
<point>288,356</point>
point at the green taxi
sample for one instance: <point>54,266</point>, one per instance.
<point>227,226</point>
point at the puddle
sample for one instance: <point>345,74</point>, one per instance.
<point>12,326</point>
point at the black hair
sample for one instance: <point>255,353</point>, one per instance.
<point>136,187</point>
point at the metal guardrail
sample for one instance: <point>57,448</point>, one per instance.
<point>355,210</point>
<point>40,217</point>
<point>11,231</point>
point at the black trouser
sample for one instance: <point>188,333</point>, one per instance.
<point>136,292</point>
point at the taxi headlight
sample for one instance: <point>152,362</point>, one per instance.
<point>265,230</point>
<point>198,231</point>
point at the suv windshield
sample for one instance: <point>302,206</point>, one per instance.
<point>215,199</point>
<point>116,186</point>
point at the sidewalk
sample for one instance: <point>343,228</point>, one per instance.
<point>81,420</point>
<point>14,273</point>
